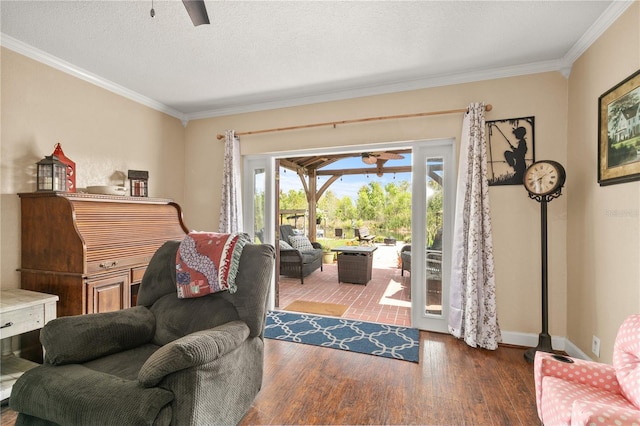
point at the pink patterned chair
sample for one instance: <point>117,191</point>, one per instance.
<point>590,393</point>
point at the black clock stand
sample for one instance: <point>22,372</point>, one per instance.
<point>544,339</point>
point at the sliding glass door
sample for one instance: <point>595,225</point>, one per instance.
<point>433,192</point>
<point>258,203</point>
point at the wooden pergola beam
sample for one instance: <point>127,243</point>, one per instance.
<point>364,171</point>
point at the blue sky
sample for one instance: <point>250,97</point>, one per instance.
<point>348,185</point>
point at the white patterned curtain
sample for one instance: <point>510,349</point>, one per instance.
<point>231,205</point>
<point>472,314</point>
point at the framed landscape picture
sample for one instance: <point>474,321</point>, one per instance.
<point>510,149</point>
<point>619,132</point>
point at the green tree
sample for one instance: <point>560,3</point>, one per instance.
<point>293,199</point>
<point>346,211</point>
<point>258,214</point>
<point>370,202</point>
<point>434,211</point>
<point>327,206</point>
<point>397,209</point>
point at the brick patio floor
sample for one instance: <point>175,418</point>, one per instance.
<point>385,299</point>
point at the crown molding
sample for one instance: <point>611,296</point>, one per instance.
<point>613,12</point>
<point>69,68</point>
<point>267,102</point>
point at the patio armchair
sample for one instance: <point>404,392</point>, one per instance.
<point>298,256</point>
<point>165,361</point>
<point>405,259</point>
<point>434,262</point>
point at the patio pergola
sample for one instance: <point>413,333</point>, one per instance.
<point>310,167</point>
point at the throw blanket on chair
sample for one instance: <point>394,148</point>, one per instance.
<point>207,262</point>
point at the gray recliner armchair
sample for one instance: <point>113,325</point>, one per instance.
<point>166,361</point>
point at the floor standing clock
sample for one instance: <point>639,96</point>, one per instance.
<point>543,181</point>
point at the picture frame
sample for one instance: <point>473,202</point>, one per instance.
<point>619,132</point>
<point>510,149</point>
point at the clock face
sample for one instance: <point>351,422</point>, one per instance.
<point>544,177</point>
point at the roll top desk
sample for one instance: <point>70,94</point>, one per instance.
<point>92,250</point>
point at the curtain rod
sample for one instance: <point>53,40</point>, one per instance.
<point>488,107</point>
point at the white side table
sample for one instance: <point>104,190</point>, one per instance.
<point>21,311</point>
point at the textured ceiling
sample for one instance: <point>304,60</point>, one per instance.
<point>264,54</point>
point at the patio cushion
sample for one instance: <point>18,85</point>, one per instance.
<point>311,255</point>
<point>285,245</point>
<point>301,243</point>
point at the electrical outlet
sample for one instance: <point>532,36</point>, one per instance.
<point>595,346</point>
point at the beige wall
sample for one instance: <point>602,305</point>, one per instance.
<point>516,218</point>
<point>603,237</point>
<point>101,131</point>
<point>594,233</point>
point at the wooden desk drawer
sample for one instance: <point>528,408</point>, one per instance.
<point>21,320</point>
<point>137,274</point>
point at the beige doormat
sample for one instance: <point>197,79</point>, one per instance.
<point>332,309</point>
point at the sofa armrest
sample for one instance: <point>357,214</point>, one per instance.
<point>593,413</point>
<point>81,338</point>
<point>192,350</point>
<point>290,255</point>
<point>87,397</point>
<point>591,373</point>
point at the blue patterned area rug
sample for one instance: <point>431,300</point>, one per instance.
<point>356,336</point>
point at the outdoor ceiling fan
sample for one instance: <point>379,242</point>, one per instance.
<point>373,157</point>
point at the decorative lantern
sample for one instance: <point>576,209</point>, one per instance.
<point>52,174</point>
<point>138,183</point>
<point>71,167</point>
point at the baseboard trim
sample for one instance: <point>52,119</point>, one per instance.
<point>576,352</point>
<point>531,340</point>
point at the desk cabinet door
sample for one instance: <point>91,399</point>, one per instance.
<point>108,294</point>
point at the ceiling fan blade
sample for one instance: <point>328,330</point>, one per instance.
<point>389,156</point>
<point>368,158</point>
<point>197,11</point>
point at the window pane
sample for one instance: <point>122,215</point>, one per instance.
<point>435,179</point>
<point>258,204</point>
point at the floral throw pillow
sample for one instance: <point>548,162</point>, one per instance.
<point>300,242</point>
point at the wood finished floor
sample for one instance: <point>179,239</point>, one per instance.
<point>452,384</point>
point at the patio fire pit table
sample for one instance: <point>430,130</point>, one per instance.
<point>355,263</point>
<point>390,241</point>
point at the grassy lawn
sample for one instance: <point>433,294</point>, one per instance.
<point>332,242</point>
